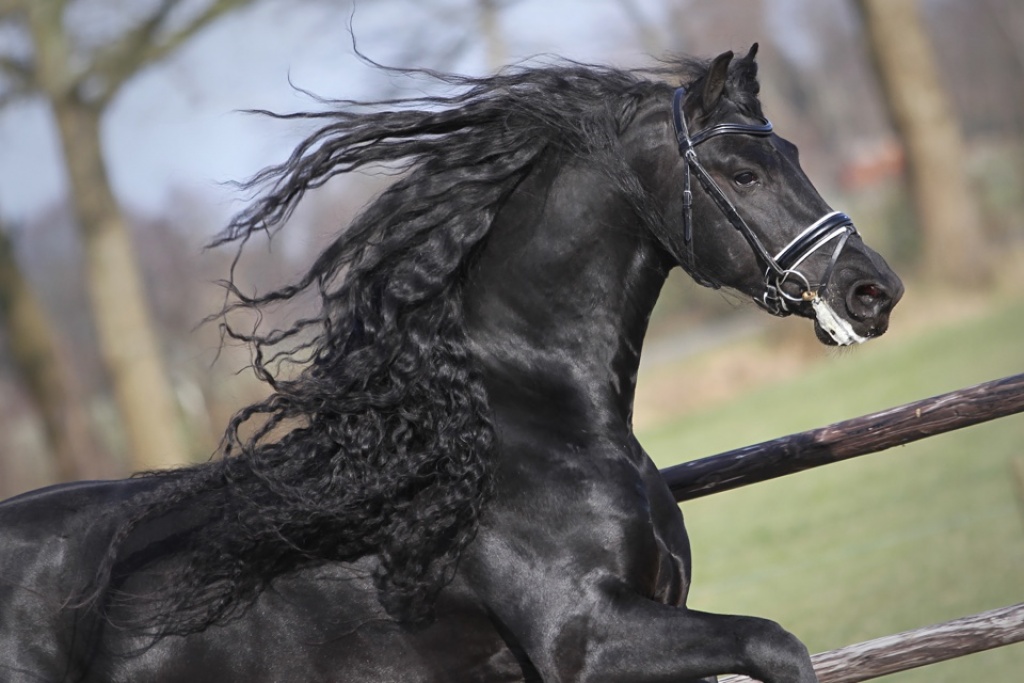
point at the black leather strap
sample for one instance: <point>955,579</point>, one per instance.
<point>799,247</point>
<point>780,268</point>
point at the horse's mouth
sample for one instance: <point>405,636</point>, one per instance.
<point>831,328</point>
<point>823,336</point>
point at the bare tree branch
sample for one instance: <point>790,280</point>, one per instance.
<point>13,94</point>
<point>117,62</point>
<point>19,77</point>
<point>144,45</point>
<point>15,69</point>
<point>137,40</point>
<point>10,7</point>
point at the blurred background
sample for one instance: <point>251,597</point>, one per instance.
<point>122,126</point>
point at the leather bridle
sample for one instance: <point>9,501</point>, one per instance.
<point>780,269</point>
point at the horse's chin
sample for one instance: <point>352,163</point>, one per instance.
<point>823,336</point>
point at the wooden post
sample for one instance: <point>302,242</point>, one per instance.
<point>920,647</point>
<point>848,439</point>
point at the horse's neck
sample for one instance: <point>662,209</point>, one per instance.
<point>558,302</point>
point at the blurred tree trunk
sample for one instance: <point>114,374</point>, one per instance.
<point>952,240</point>
<point>490,28</point>
<point>79,79</point>
<point>34,349</point>
<point>131,353</point>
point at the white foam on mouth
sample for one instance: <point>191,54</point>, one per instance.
<point>840,330</point>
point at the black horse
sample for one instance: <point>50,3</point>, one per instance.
<point>448,488</point>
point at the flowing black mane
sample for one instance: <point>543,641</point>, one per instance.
<point>386,430</point>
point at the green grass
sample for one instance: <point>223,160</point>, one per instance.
<point>915,535</point>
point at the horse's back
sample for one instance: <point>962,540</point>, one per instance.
<point>316,624</point>
<point>55,533</point>
<point>51,541</point>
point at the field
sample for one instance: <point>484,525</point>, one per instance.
<point>911,536</point>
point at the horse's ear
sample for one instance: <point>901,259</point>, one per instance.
<point>745,72</point>
<point>714,82</point>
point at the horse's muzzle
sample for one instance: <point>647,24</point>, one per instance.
<point>860,300</point>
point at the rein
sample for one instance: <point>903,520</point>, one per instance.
<point>781,268</point>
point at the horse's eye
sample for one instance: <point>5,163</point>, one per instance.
<point>745,178</point>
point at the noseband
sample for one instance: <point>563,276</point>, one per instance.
<point>780,269</point>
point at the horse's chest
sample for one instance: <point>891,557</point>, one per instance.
<point>656,561</point>
<point>586,516</point>
<point>644,544</point>
<point>670,581</point>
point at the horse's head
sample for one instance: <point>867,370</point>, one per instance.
<point>752,221</point>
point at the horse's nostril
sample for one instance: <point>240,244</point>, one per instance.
<point>870,292</point>
<point>868,301</point>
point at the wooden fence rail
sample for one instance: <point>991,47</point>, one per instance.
<point>850,439</point>
<point>847,439</point>
<point>920,647</point>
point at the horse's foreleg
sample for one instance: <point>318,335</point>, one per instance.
<point>646,641</point>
